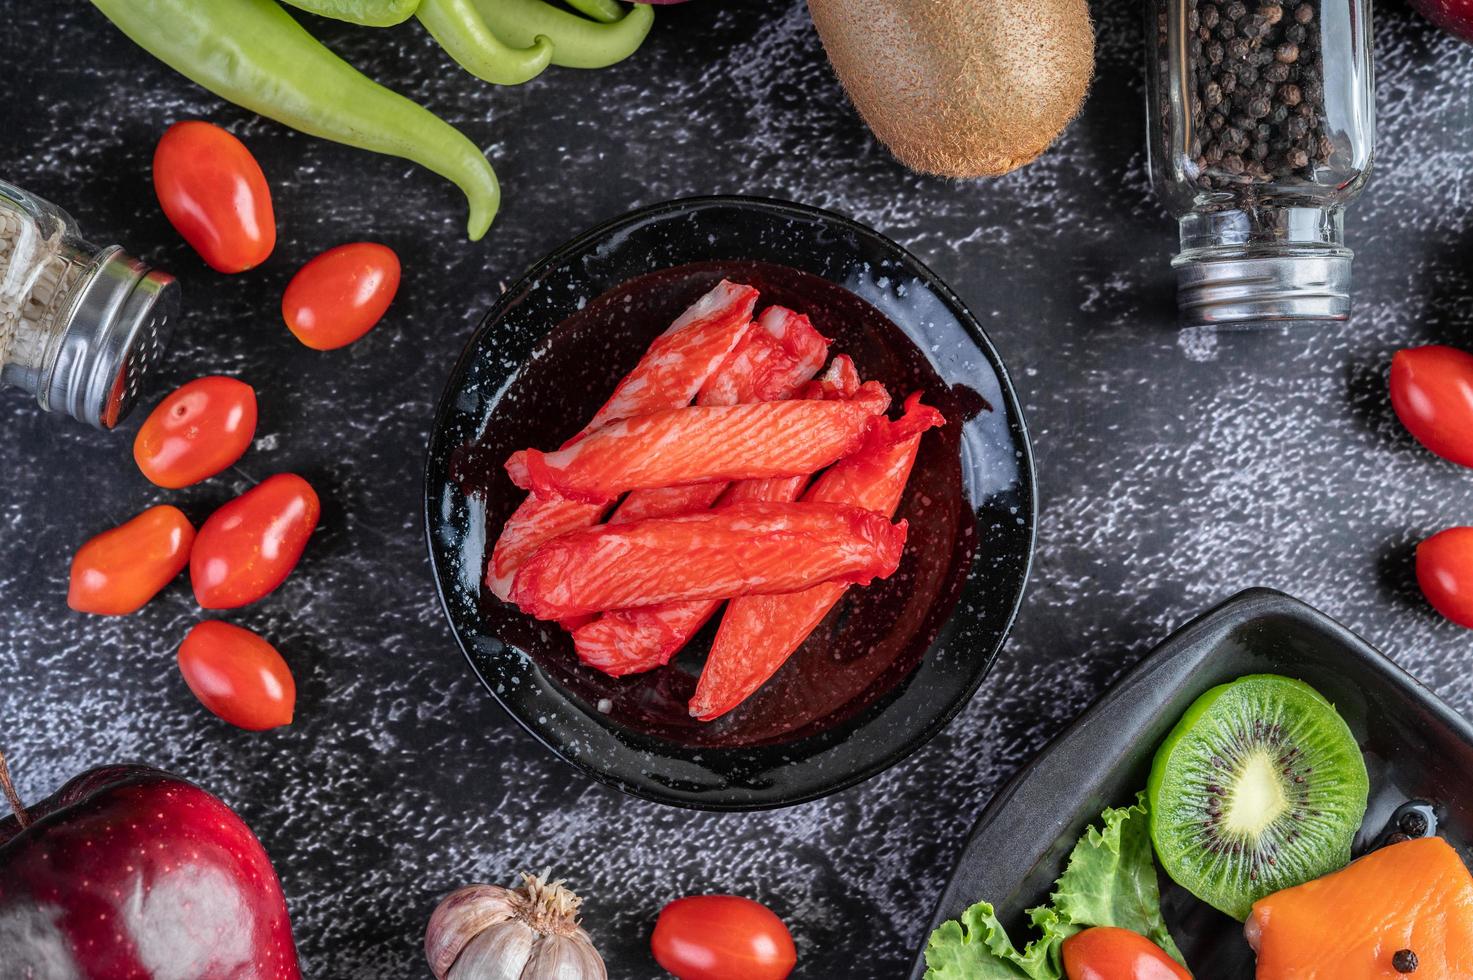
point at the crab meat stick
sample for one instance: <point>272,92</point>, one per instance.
<point>702,445</point>
<point>675,368</point>
<point>759,633</point>
<point>781,353</point>
<point>729,551</point>
<point>630,641</point>
<point>682,359</point>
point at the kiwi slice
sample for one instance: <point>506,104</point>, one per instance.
<point>1260,786</point>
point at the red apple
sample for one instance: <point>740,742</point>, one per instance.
<point>131,873</point>
<point>1455,16</point>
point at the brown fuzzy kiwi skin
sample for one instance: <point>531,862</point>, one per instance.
<point>961,88</point>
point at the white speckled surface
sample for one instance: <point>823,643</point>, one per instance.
<point>1174,469</point>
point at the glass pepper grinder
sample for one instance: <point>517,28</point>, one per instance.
<point>1262,125</point>
<point>79,325</point>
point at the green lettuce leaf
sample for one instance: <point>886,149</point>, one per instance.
<point>1110,880</point>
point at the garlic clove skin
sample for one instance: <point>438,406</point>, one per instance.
<point>570,957</point>
<point>500,952</point>
<point>460,917</point>
<point>482,932</point>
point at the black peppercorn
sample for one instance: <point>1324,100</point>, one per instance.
<point>1228,83</point>
<point>1258,108</point>
<point>1304,13</point>
<point>1232,163</point>
<point>1277,72</point>
<point>1234,10</point>
<point>1209,15</point>
<point>1297,158</point>
<point>1214,53</point>
<point>1290,95</point>
<point>1287,53</point>
<point>1212,94</point>
<point>1404,961</point>
<point>1271,13</point>
<point>1237,49</point>
<point>1296,34</point>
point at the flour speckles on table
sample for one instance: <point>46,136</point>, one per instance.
<point>1174,469</point>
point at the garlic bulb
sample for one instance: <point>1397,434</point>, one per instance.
<point>485,932</point>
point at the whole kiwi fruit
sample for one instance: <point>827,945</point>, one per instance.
<point>961,88</point>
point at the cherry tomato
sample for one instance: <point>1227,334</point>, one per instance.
<point>338,296</point>
<point>118,571</point>
<point>1432,392</point>
<point>722,937</point>
<point>1108,953</point>
<point>1445,573</point>
<point>238,676</point>
<point>214,194</point>
<point>198,430</point>
<point>249,546</point>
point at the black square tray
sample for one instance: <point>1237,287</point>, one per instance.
<point>1415,746</point>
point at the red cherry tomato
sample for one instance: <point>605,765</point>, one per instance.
<point>249,546</point>
<point>1107,953</point>
<point>214,194</point>
<point>238,676</point>
<point>198,430</point>
<point>338,296</point>
<point>118,571</point>
<point>1432,392</point>
<point>1445,573</point>
<point>722,937</point>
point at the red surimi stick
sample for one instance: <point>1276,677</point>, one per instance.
<point>759,632</point>
<point>730,551</point>
<point>701,445</point>
<point>674,369</point>
<point>630,641</point>
<point>780,354</point>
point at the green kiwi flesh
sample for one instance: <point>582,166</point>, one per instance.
<point>1259,787</point>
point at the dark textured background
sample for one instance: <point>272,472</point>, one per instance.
<point>1174,469</point>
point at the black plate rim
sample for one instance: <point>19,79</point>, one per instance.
<point>1241,608</point>
<point>1028,487</point>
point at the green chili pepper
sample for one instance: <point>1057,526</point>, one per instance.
<point>604,11</point>
<point>465,37</point>
<point>254,54</point>
<point>369,13</point>
<point>577,42</point>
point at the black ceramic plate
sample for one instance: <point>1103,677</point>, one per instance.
<point>1416,748</point>
<point>893,662</point>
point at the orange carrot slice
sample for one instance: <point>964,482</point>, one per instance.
<point>730,551</point>
<point>630,641</point>
<point>759,633</point>
<point>701,445</point>
<point>674,369</point>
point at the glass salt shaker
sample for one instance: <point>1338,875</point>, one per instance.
<point>79,325</point>
<point>1261,127</point>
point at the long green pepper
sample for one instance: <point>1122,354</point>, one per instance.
<point>368,13</point>
<point>252,53</point>
<point>577,42</point>
<point>459,29</point>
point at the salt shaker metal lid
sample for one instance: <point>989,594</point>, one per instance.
<point>114,333</point>
<point>79,325</point>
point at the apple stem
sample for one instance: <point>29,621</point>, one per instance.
<point>12,797</point>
